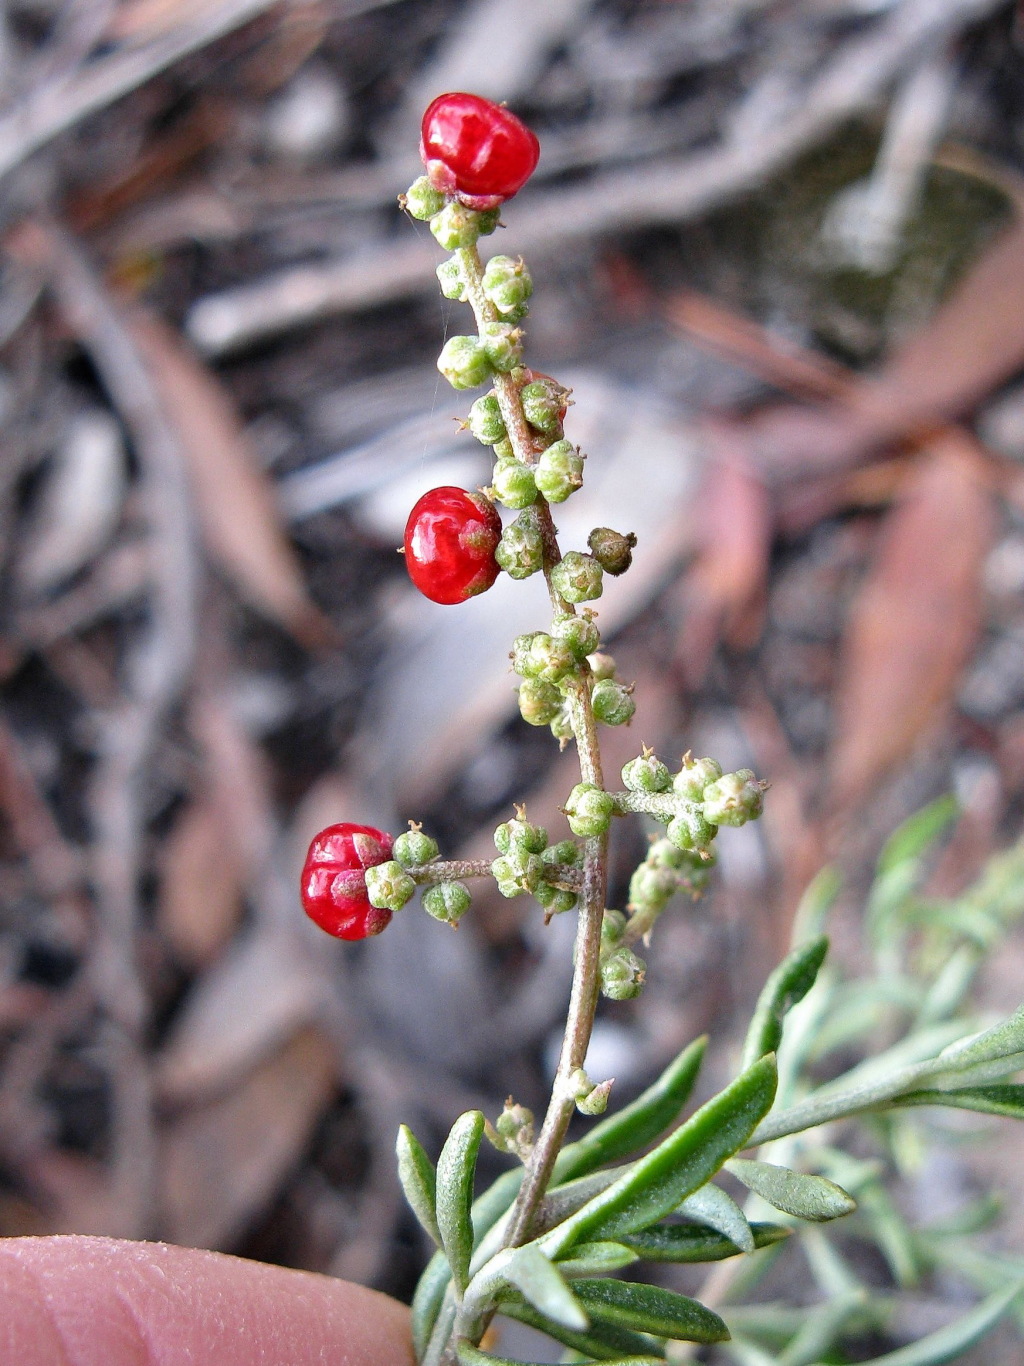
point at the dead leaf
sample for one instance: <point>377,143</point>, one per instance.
<point>237,509</point>
<point>222,1163</point>
<point>916,620</point>
<point>204,874</point>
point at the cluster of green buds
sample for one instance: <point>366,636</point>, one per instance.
<point>554,664</point>
<point>513,1131</point>
<point>622,971</point>
<point>692,803</point>
<point>527,863</point>
<point>391,885</point>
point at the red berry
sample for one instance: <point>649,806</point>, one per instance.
<point>477,149</point>
<point>450,539</point>
<point>333,883</point>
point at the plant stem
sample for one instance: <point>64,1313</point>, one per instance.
<point>586,976</point>
<point>452,870</point>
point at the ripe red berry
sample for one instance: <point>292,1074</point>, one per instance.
<point>477,149</point>
<point>450,539</point>
<point>334,884</point>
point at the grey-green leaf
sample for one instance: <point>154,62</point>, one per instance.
<point>1005,1100</point>
<point>710,1205</point>
<point>638,1123</point>
<point>427,1301</point>
<point>650,1309</point>
<point>789,983</point>
<point>814,1198</point>
<point>1002,1040</point>
<point>542,1286</point>
<point>456,1168</point>
<point>589,1259</point>
<point>956,1338</point>
<point>600,1342</point>
<point>678,1166</point>
<point>691,1243</point>
<point>469,1355</point>
<point>419,1180</point>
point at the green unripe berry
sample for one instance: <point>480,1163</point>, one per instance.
<point>507,284</point>
<point>579,633</point>
<point>543,403</point>
<point>613,926</point>
<point>504,450</point>
<point>555,900</point>
<point>689,830</point>
<point>447,901</point>
<point>453,286</point>
<point>622,975</point>
<point>464,363</point>
<point>520,835</point>
<point>559,471</point>
<point>413,848</point>
<point>553,658</point>
<point>694,777</point>
<point>455,227</point>
<point>505,877</point>
<point>523,661</point>
<point>646,773</point>
<point>734,799</point>
<point>612,703</point>
<point>561,727</point>
<point>389,886</point>
<point>565,851</point>
<point>589,810</point>
<point>577,577</point>
<point>485,420</point>
<point>650,889</point>
<point>488,220</point>
<point>520,551</point>
<point>539,702</point>
<point>612,550</point>
<point>422,199</point>
<point>504,345</point>
<point>513,484</point>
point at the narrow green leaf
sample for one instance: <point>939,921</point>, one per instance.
<point>427,1301</point>
<point>1001,1041</point>
<point>789,983</point>
<point>602,1341</point>
<point>678,1166</point>
<point>419,1180</point>
<point>989,1100</point>
<point>805,1197</point>
<point>543,1287</point>
<point>636,1124</point>
<point>456,1168</point>
<point>912,838</point>
<point>956,1338</point>
<point>691,1243</point>
<point>719,1211</point>
<point>650,1309</point>
<point>589,1259</point>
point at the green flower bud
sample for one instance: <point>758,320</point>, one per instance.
<point>622,975</point>
<point>565,851</point>
<point>579,633</point>
<point>694,777</point>
<point>650,889</point>
<point>552,659</point>
<point>514,1130</point>
<point>520,551</point>
<point>503,343</point>
<point>613,927</point>
<point>521,835</point>
<point>464,363</point>
<point>555,900</point>
<point>413,848</point>
<point>539,702</point>
<point>589,810</point>
<point>543,403</point>
<point>504,450</point>
<point>422,199</point>
<point>513,484</point>
<point>612,703</point>
<point>517,871</point>
<point>505,877</point>
<point>612,550</point>
<point>646,773</point>
<point>577,577</point>
<point>456,226</point>
<point>689,830</point>
<point>388,885</point>
<point>485,420</point>
<point>523,661</point>
<point>559,471</point>
<point>561,727</point>
<point>590,1098</point>
<point>447,901</point>
<point>488,220</point>
<point>734,799</point>
<point>450,279</point>
<point>507,284</point>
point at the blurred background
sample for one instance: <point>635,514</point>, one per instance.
<point>778,254</point>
